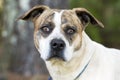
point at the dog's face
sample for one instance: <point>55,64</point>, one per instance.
<point>58,33</point>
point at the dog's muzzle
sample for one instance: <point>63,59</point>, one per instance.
<point>57,47</point>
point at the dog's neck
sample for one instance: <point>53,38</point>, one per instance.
<point>60,70</point>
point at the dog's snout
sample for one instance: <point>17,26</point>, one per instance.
<point>57,44</point>
<point>57,49</point>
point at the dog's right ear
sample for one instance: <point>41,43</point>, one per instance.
<point>33,13</point>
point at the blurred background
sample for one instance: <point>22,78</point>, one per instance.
<point>19,59</point>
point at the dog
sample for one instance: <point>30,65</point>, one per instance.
<point>69,53</point>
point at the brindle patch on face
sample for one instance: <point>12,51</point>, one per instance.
<point>57,10</point>
<point>48,25</point>
<point>45,20</point>
<point>70,20</point>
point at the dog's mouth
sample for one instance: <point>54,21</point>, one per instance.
<point>56,55</point>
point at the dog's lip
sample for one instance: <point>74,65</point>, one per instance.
<point>56,57</point>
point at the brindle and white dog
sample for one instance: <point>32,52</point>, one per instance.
<point>67,50</point>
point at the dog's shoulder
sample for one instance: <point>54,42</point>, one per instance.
<point>101,47</point>
<point>110,53</point>
<point>108,58</point>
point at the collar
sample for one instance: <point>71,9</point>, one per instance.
<point>82,71</point>
<point>50,78</point>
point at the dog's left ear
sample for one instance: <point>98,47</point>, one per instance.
<point>85,16</point>
<point>33,13</point>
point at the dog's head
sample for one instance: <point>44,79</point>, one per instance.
<point>58,33</point>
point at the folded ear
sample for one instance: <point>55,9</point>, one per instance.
<point>34,12</point>
<point>85,16</point>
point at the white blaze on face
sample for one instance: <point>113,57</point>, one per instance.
<point>44,43</point>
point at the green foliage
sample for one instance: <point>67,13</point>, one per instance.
<point>108,12</point>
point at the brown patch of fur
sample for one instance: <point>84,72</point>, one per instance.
<point>69,18</point>
<point>42,19</point>
<point>36,42</point>
<point>57,10</point>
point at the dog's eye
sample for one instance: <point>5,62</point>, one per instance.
<point>46,29</point>
<point>70,31</point>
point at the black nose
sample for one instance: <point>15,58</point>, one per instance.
<point>57,44</point>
